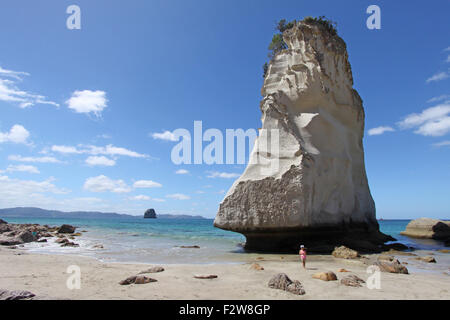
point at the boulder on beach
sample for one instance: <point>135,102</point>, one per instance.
<point>345,253</point>
<point>66,228</point>
<point>352,281</point>
<point>256,266</point>
<point>15,295</point>
<point>281,281</point>
<point>306,180</point>
<point>427,228</point>
<point>390,264</point>
<point>325,276</point>
<point>153,270</point>
<point>3,221</point>
<point>427,259</point>
<point>205,276</point>
<point>137,280</point>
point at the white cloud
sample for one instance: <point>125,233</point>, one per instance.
<point>434,121</point>
<point>146,184</point>
<point>436,128</point>
<point>439,76</point>
<point>158,200</point>
<point>224,175</point>
<point>182,171</point>
<point>140,198</point>
<point>178,196</point>
<point>100,161</point>
<point>22,168</point>
<point>447,49</point>
<point>17,134</point>
<point>439,98</point>
<point>87,101</point>
<point>65,149</point>
<point>379,130</point>
<point>442,144</point>
<point>21,189</point>
<point>448,59</point>
<point>166,135</point>
<point>103,184</point>
<point>9,91</point>
<point>109,150</point>
<point>18,75</point>
<point>33,159</point>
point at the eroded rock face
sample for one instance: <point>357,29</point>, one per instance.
<point>318,191</point>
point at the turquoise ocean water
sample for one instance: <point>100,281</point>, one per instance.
<point>157,240</point>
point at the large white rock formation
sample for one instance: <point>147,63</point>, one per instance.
<point>318,194</point>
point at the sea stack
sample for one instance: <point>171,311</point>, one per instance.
<point>319,196</point>
<point>150,214</point>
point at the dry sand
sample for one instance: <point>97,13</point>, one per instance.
<point>45,275</point>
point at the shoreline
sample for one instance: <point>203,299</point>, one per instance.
<point>46,275</point>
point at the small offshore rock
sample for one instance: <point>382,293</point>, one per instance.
<point>189,247</point>
<point>325,276</point>
<point>343,270</point>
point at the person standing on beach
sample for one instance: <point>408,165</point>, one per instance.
<point>302,254</point>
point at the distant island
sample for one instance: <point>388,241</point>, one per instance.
<point>42,213</point>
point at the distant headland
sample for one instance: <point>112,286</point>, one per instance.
<point>31,212</point>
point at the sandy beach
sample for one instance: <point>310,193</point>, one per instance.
<point>46,276</point>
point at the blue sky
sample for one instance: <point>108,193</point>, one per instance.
<point>79,108</point>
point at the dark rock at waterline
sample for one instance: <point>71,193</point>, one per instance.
<point>3,221</point>
<point>19,237</point>
<point>282,282</point>
<point>150,214</point>
<point>70,244</point>
<point>396,246</point>
<point>15,295</point>
<point>322,241</point>
<point>4,228</point>
<point>66,228</point>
